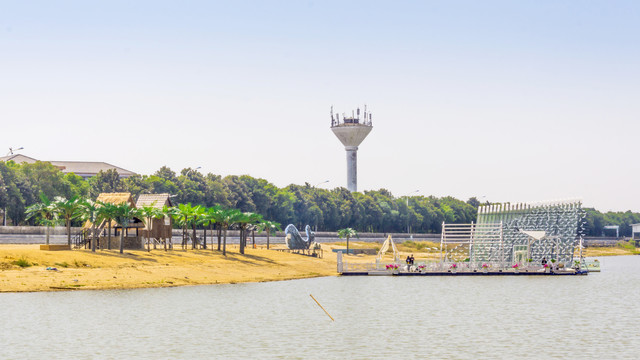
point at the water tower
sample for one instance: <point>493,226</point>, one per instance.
<point>351,131</point>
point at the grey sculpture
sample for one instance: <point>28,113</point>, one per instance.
<point>294,240</point>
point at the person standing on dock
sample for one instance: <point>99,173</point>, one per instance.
<point>410,260</point>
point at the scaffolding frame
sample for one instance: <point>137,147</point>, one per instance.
<point>502,230</point>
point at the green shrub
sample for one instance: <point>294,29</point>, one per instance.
<point>62,264</point>
<point>22,262</point>
<point>626,245</point>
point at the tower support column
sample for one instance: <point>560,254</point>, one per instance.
<point>352,168</point>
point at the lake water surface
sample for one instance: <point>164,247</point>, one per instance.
<point>563,317</point>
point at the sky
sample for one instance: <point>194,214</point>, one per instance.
<point>506,101</point>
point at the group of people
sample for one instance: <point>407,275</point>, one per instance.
<point>550,265</point>
<point>410,261</point>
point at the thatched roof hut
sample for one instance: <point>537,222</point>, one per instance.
<point>131,241</point>
<point>116,198</point>
<point>160,228</point>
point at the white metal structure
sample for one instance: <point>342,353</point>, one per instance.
<point>385,247</point>
<point>459,241</point>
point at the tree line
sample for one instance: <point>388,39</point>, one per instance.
<point>323,209</point>
<point>62,210</point>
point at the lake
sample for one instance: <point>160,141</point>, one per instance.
<point>582,317</point>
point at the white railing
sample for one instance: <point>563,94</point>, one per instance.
<point>457,267</point>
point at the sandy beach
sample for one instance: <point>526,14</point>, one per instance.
<point>82,269</point>
<point>108,269</point>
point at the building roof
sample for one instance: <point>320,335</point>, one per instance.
<point>158,201</point>
<point>18,158</point>
<point>112,198</point>
<point>116,198</point>
<point>89,168</point>
<point>80,168</point>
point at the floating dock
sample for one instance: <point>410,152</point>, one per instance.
<point>461,273</point>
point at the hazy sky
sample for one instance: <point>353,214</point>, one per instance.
<point>510,100</point>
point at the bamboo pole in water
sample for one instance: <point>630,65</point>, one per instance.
<point>325,311</point>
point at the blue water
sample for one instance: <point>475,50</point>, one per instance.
<point>563,317</point>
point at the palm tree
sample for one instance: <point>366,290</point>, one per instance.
<point>150,212</point>
<point>228,218</point>
<point>167,212</point>
<point>67,210</point>
<point>123,215</point>
<point>188,215</point>
<point>245,220</point>
<point>88,210</point>
<point>207,219</point>
<point>347,233</point>
<point>181,215</point>
<point>217,215</point>
<point>47,213</point>
<point>196,213</point>
<point>107,212</point>
<point>268,226</point>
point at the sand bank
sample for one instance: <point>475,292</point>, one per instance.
<point>104,269</point>
<point>108,269</point>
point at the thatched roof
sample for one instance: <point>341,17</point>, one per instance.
<point>158,201</point>
<point>116,198</point>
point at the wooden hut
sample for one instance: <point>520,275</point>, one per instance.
<point>132,237</point>
<point>159,229</point>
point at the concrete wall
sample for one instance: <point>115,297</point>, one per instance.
<point>131,242</point>
<point>37,230</point>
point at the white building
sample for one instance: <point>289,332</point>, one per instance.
<point>85,169</point>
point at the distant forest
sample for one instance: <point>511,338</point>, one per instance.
<point>323,209</point>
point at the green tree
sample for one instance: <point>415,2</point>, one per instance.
<point>226,219</point>
<point>192,187</point>
<point>268,227</point>
<point>347,233</point>
<point>136,185</point>
<point>166,174</point>
<point>123,215</point>
<point>88,211</point>
<point>108,212</point>
<point>45,178</point>
<point>197,212</point>
<point>46,213</point>
<point>239,194</point>
<point>106,182</point>
<point>245,221</point>
<point>207,218</point>
<point>78,186</point>
<point>187,215</point>
<point>67,210</point>
<point>150,212</point>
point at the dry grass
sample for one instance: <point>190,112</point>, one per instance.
<point>82,269</point>
<point>609,251</point>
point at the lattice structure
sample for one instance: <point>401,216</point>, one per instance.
<point>551,230</point>
<point>459,241</point>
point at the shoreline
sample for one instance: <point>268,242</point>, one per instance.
<point>109,270</point>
